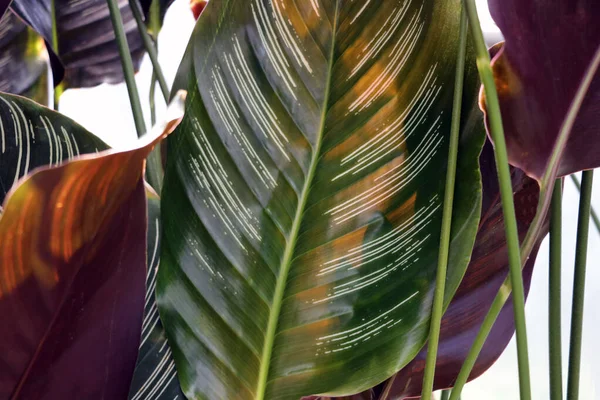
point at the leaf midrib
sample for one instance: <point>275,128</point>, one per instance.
<point>291,243</point>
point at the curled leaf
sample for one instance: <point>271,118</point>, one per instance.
<point>549,44</point>
<point>72,272</point>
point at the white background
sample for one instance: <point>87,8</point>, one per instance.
<point>105,111</point>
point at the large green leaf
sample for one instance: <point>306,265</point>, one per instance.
<point>303,192</point>
<point>23,64</point>
<point>32,136</point>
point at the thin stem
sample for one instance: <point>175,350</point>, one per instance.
<point>554,289</point>
<point>532,233</point>
<point>583,223</point>
<point>154,171</point>
<point>58,89</point>
<point>134,97</point>
<point>136,10</point>
<point>438,298</point>
<point>445,395</point>
<point>152,99</point>
<point>593,213</point>
<point>506,194</point>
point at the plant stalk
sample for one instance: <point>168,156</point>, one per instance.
<point>554,290</point>
<point>438,298</point>
<point>445,395</point>
<point>593,213</point>
<point>58,89</point>
<point>583,223</point>
<point>150,47</point>
<point>506,194</point>
<point>127,63</point>
<point>534,229</point>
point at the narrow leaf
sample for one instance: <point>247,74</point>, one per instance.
<point>302,201</point>
<point>155,376</point>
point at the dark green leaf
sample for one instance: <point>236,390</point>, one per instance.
<point>302,197</point>
<point>32,136</point>
<point>23,64</point>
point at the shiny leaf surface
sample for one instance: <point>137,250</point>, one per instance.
<point>23,60</point>
<point>302,197</point>
<point>486,272</point>
<point>72,272</point>
<point>32,136</point>
<point>549,45</point>
<point>86,42</point>
<point>155,376</point>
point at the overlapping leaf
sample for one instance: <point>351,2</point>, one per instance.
<point>486,272</point>
<point>32,136</point>
<point>155,376</point>
<point>86,43</point>
<point>23,60</point>
<point>549,45</point>
<point>303,191</point>
<point>72,268</point>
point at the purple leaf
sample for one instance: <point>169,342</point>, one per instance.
<point>549,44</point>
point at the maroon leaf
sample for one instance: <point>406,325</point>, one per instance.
<point>72,276</point>
<point>549,45</point>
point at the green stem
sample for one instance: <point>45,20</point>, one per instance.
<point>445,395</point>
<point>58,89</point>
<point>152,99</point>
<point>150,47</point>
<point>506,194</point>
<point>583,223</point>
<point>554,289</point>
<point>593,213</point>
<point>438,298</point>
<point>127,63</point>
<point>154,170</point>
<point>534,230</point>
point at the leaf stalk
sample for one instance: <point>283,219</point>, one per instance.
<point>554,290</point>
<point>438,298</point>
<point>583,223</point>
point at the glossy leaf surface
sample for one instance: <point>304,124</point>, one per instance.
<point>485,274</point>
<point>155,376</point>
<point>86,42</point>
<point>32,136</point>
<point>302,197</point>
<point>549,44</point>
<point>72,269</point>
<point>23,60</point>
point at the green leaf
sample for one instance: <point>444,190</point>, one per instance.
<point>302,201</point>
<point>22,60</point>
<point>32,136</point>
<point>155,376</point>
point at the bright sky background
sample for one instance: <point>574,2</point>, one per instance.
<point>105,111</point>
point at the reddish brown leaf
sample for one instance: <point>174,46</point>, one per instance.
<point>549,45</point>
<point>72,276</point>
